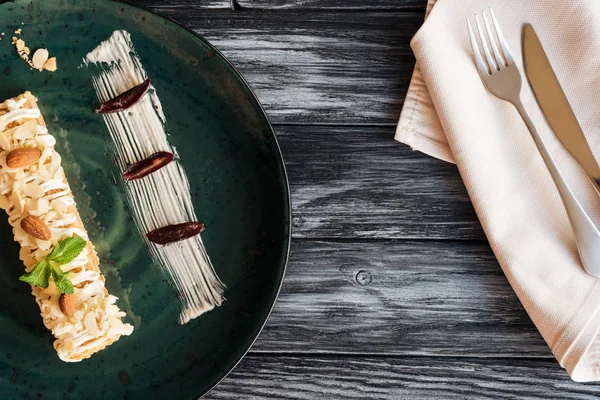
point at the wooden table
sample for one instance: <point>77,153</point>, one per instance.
<point>392,290</point>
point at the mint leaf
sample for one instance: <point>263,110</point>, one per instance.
<point>66,251</point>
<point>39,275</point>
<point>61,279</point>
<point>63,253</point>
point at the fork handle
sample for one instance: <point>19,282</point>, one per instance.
<point>586,232</point>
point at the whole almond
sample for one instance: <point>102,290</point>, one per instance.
<point>124,100</point>
<point>22,157</point>
<point>147,166</point>
<point>67,304</point>
<point>175,233</point>
<point>36,228</point>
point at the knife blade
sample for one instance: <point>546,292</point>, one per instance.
<point>555,105</point>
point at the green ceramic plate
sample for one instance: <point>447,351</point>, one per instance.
<point>239,189</point>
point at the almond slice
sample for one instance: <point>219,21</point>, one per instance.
<point>52,191</point>
<point>22,157</point>
<point>36,228</point>
<point>67,304</point>
<point>39,59</point>
<point>89,322</point>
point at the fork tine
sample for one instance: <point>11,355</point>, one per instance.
<point>505,49</point>
<point>483,69</point>
<point>486,49</point>
<point>488,28</point>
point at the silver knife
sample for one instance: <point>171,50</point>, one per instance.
<point>555,105</point>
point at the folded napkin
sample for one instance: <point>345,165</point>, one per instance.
<point>450,115</point>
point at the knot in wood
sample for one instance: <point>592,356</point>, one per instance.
<point>363,278</point>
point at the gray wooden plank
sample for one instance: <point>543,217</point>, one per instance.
<point>294,377</point>
<point>357,182</point>
<point>187,4</point>
<point>313,67</point>
<point>408,5</point>
<point>398,297</point>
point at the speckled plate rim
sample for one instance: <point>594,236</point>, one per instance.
<point>282,171</point>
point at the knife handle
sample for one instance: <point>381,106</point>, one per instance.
<point>587,235</point>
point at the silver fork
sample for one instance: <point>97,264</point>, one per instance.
<point>502,78</point>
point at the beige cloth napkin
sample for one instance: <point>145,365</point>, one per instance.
<point>450,115</point>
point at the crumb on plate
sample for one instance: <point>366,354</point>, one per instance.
<point>50,64</point>
<point>40,60</point>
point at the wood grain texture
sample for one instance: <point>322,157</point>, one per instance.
<point>311,67</point>
<point>294,377</point>
<point>408,5</point>
<point>186,4</point>
<point>357,182</point>
<point>398,297</point>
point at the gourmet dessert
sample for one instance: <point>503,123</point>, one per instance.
<point>60,261</point>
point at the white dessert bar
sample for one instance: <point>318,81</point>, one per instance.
<point>39,194</point>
